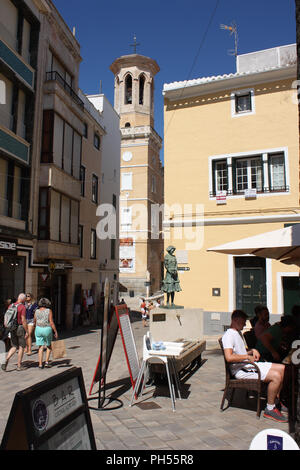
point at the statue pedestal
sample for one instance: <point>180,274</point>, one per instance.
<point>171,324</point>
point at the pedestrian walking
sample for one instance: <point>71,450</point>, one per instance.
<point>31,307</point>
<point>4,333</point>
<point>144,314</point>
<point>44,328</point>
<point>18,332</point>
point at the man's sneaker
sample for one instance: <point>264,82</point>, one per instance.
<point>275,415</point>
<point>4,366</point>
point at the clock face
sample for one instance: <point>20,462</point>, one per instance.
<point>127,156</point>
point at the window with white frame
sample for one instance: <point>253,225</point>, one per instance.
<point>126,217</point>
<point>264,172</point>
<point>126,181</point>
<point>277,171</point>
<point>248,174</point>
<point>242,103</point>
<point>221,175</point>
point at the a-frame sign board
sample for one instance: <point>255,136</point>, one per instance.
<point>120,319</point>
<point>51,415</point>
<point>111,335</point>
<point>128,341</point>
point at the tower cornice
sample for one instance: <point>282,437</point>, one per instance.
<point>135,60</point>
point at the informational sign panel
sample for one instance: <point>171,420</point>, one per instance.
<point>128,342</point>
<point>51,415</point>
<point>221,197</point>
<point>127,255</point>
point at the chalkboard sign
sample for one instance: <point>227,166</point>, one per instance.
<point>128,342</point>
<point>51,415</point>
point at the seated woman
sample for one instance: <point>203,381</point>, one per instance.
<point>262,324</point>
<point>272,344</point>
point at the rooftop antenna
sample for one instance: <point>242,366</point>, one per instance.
<point>232,28</point>
<point>100,87</point>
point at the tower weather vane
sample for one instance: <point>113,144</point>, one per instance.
<point>135,44</point>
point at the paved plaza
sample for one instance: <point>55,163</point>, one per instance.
<point>197,423</point>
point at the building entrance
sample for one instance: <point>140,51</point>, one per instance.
<point>54,289</point>
<point>12,277</point>
<point>291,293</point>
<point>250,283</point>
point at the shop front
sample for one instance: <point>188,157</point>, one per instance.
<point>12,270</point>
<point>52,284</point>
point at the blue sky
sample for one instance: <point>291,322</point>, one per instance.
<point>184,37</point>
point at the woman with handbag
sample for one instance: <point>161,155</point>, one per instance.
<point>44,328</point>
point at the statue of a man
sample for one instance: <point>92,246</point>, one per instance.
<point>171,282</point>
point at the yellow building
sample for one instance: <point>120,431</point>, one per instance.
<point>234,141</point>
<point>141,244</point>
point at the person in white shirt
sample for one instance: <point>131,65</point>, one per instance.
<point>241,364</point>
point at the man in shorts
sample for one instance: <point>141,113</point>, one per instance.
<point>236,353</point>
<point>18,336</point>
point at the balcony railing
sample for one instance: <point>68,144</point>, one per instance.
<point>55,76</point>
<point>271,189</point>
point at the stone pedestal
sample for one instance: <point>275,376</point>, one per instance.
<point>168,324</point>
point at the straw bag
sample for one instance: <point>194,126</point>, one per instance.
<point>58,349</point>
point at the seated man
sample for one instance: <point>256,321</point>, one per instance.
<point>262,323</point>
<point>236,353</point>
<point>274,344</point>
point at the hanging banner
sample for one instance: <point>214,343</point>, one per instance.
<point>127,255</point>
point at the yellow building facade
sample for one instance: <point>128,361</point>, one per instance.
<point>232,171</point>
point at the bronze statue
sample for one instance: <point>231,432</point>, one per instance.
<point>171,283</point>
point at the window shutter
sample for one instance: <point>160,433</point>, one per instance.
<point>234,176</point>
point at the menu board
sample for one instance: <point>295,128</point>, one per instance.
<point>52,415</point>
<point>74,436</point>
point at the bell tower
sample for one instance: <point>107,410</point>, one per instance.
<point>141,249</point>
<point>134,89</point>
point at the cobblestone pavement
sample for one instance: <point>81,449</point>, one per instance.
<point>197,423</point>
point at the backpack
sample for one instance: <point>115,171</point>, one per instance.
<point>11,318</point>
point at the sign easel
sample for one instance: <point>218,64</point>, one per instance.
<point>119,319</point>
<point>128,341</point>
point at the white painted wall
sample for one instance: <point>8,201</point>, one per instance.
<point>110,178</point>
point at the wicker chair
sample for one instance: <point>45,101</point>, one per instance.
<point>247,384</point>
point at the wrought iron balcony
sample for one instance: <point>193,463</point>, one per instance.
<point>271,189</point>
<point>55,76</point>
